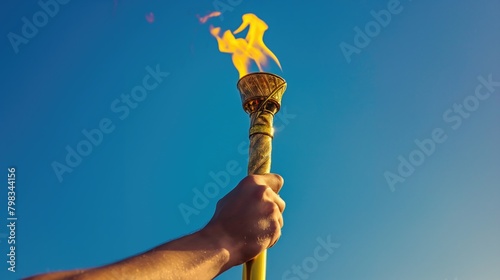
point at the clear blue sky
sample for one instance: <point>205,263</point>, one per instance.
<point>351,119</point>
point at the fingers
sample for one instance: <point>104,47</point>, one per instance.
<point>276,233</point>
<point>280,221</point>
<point>281,203</point>
<point>275,239</point>
<point>274,181</point>
<point>263,189</point>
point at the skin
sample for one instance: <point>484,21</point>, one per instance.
<point>247,221</point>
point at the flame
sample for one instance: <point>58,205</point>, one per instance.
<point>250,48</point>
<point>211,15</point>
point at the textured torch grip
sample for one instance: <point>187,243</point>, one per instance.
<point>259,162</point>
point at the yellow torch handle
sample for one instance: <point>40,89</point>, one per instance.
<point>259,162</point>
<point>256,268</point>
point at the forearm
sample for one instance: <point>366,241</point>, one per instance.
<point>200,255</point>
<point>57,275</point>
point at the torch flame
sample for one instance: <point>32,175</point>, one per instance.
<point>245,50</point>
<point>211,15</point>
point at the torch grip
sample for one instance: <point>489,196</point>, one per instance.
<point>259,162</point>
<point>259,159</point>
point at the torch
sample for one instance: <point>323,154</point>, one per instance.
<point>261,95</point>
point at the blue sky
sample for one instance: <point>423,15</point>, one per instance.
<point>348,119</point>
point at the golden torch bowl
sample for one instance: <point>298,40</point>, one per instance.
<point>261,87</point>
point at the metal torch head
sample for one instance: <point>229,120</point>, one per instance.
<point>261,89</point>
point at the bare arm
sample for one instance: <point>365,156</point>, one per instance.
<point>246,221</point>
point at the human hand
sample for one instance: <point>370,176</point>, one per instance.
<point>249,219</point>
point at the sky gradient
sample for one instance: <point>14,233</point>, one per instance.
<point>361,94</point>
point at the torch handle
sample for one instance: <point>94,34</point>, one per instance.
<point>259,162</point>
<point>259,159</point>
<point>261,96</point>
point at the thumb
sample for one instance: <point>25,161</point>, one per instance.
<point>274,181</point>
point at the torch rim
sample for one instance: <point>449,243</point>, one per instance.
<point>259,73</point>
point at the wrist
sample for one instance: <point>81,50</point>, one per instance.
<point>230,251</point>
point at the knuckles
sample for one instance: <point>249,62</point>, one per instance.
<point>270,208</point>
<point>258,192</point>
